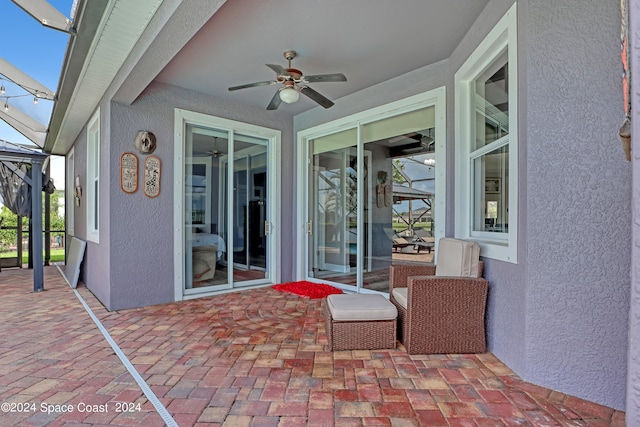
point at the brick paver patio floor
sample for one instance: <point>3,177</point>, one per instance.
<point>250,358</point>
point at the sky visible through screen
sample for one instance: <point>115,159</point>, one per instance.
<point>37,51</point>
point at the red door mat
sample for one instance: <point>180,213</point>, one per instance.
<point>308,289</point>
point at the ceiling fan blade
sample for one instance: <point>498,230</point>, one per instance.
<point>270,82</point>
<point>326,78</point>
<point>320,99</point>
<point>275,101</point>
<point>279,70</point>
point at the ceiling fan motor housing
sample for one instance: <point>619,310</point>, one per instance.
<point>289,54</point>
<point>296,75</point>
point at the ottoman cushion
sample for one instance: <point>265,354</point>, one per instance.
<point>354,307</point>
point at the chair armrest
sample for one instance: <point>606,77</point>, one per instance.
<point>400,273</point>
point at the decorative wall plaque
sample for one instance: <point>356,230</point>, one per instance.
<point>129,173</point>
<point>77,191</point>
<point>152,176</point>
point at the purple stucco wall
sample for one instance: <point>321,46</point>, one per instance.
<point>142,228</point>
<point>95,271</point>
<point>577,200</point>
<point>506,306</point>
<point>559,316</point>
<point>633,383</point>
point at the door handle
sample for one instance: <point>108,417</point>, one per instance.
<point>268,228</point>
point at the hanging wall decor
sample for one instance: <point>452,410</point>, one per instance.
<point>145,142</point>
<point>129,173</point>
<point>77,191</point>
<point>625,129</point>
<point>388,195</point>
<point>382,180</point>
<point>152,176</point>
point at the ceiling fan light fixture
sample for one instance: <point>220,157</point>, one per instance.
<point>289,95</point>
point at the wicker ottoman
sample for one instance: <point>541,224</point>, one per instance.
<point>360,322</point>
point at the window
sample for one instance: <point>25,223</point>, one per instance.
<point>486,143</point>
<point>70,186</point>
<point>93,177</point>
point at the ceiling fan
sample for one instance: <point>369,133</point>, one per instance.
<point>294,83</point>
<point>215,152</point>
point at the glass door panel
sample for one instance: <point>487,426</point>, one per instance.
<point>205,247</point>
<point>249,227</point>
<point>333,199</point>
<point>402,149</point>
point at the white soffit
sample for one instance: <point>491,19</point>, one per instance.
<point>121,26</point>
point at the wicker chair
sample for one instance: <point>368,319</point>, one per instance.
<point>441,313</point>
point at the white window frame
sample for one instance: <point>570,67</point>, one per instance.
<point>93,178</point>
<point>501,246</point>
<point>69,210</point>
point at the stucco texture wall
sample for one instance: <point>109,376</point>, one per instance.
<point>633,382</point>
<point>95,269</point>
<point>142,227</point>
<point>506,305</point>
<point>577,200</point>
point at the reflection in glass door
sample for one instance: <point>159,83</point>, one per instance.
<point>250,226</point>
<point>226,221</point>
<point>333,204</point>
<point>372,199</point>
<point>205,247</point>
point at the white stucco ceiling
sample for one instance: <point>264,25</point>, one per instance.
<point>369,41</point>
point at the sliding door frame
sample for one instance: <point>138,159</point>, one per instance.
<point>181,119</point>
<point>434,98</point>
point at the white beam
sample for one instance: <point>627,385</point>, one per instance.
<point>33,130</point>
<point>25,81</point>
<point>46,14</point>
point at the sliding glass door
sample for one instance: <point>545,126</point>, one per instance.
<point>228,214</point>
<point>374,196</point>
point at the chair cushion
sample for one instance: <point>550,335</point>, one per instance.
<point>204,262</point>
<point>400,295</point>
<point>360,307</point>
<point>457,258</point>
